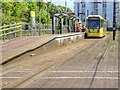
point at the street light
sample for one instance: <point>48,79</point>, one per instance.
<point>39,17</point>
<point>66,14</point>
<point>66,5</point>
<point>48,1</point>
<point>114,19</point>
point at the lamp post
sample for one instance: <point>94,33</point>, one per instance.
<point>66,5</point>
<point>66,19</point>
<point>48,1</point>
<point>39,17</point>
<point>114,19</point>
<point>78,10</point>
<point>39,12</point>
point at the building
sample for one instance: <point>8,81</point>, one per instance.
<point>105,8</point>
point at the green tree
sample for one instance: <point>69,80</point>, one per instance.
<point>20,11</point>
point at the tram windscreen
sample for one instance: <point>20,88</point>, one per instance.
<point>93,23</point>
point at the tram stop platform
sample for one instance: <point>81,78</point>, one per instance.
<point>19,46</point>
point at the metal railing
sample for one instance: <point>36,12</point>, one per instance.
<point>8,32</point>
<point>44,28</point>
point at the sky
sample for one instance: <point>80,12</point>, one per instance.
<point>70,3</point>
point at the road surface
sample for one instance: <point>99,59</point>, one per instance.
<point>88,63</point>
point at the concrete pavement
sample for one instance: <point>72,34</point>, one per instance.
<point>19,46</point>
<point>89,63</point>
<point>95,67</point>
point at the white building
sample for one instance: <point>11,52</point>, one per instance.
<point>105,8</point>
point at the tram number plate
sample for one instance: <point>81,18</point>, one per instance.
<point>93,31</point>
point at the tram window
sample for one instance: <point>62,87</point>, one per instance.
<point>93,24</point>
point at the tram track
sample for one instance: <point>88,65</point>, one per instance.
<point>38,70</point>
<point>34,78</point>
<point>99,59</point>
<point>24,62</point>
<point>41,76</point>
<point>43,61</point>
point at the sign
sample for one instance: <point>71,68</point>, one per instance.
<point>33,18</point>
<point>32,13</point>
<point>94,19</point>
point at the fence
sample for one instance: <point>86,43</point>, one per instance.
<point>44,29</point>
<point>11,31</point>
<point>8,32</point>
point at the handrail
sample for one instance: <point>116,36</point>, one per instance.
<point>10,25</point>
<point>6,29</point>
<point>10,31</point>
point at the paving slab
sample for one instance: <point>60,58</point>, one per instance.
<point>21,45</point>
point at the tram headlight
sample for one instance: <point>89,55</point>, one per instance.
<point>98,30</point>
<point>88,30</point>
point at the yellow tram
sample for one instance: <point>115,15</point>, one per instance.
<point>96,26</point>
